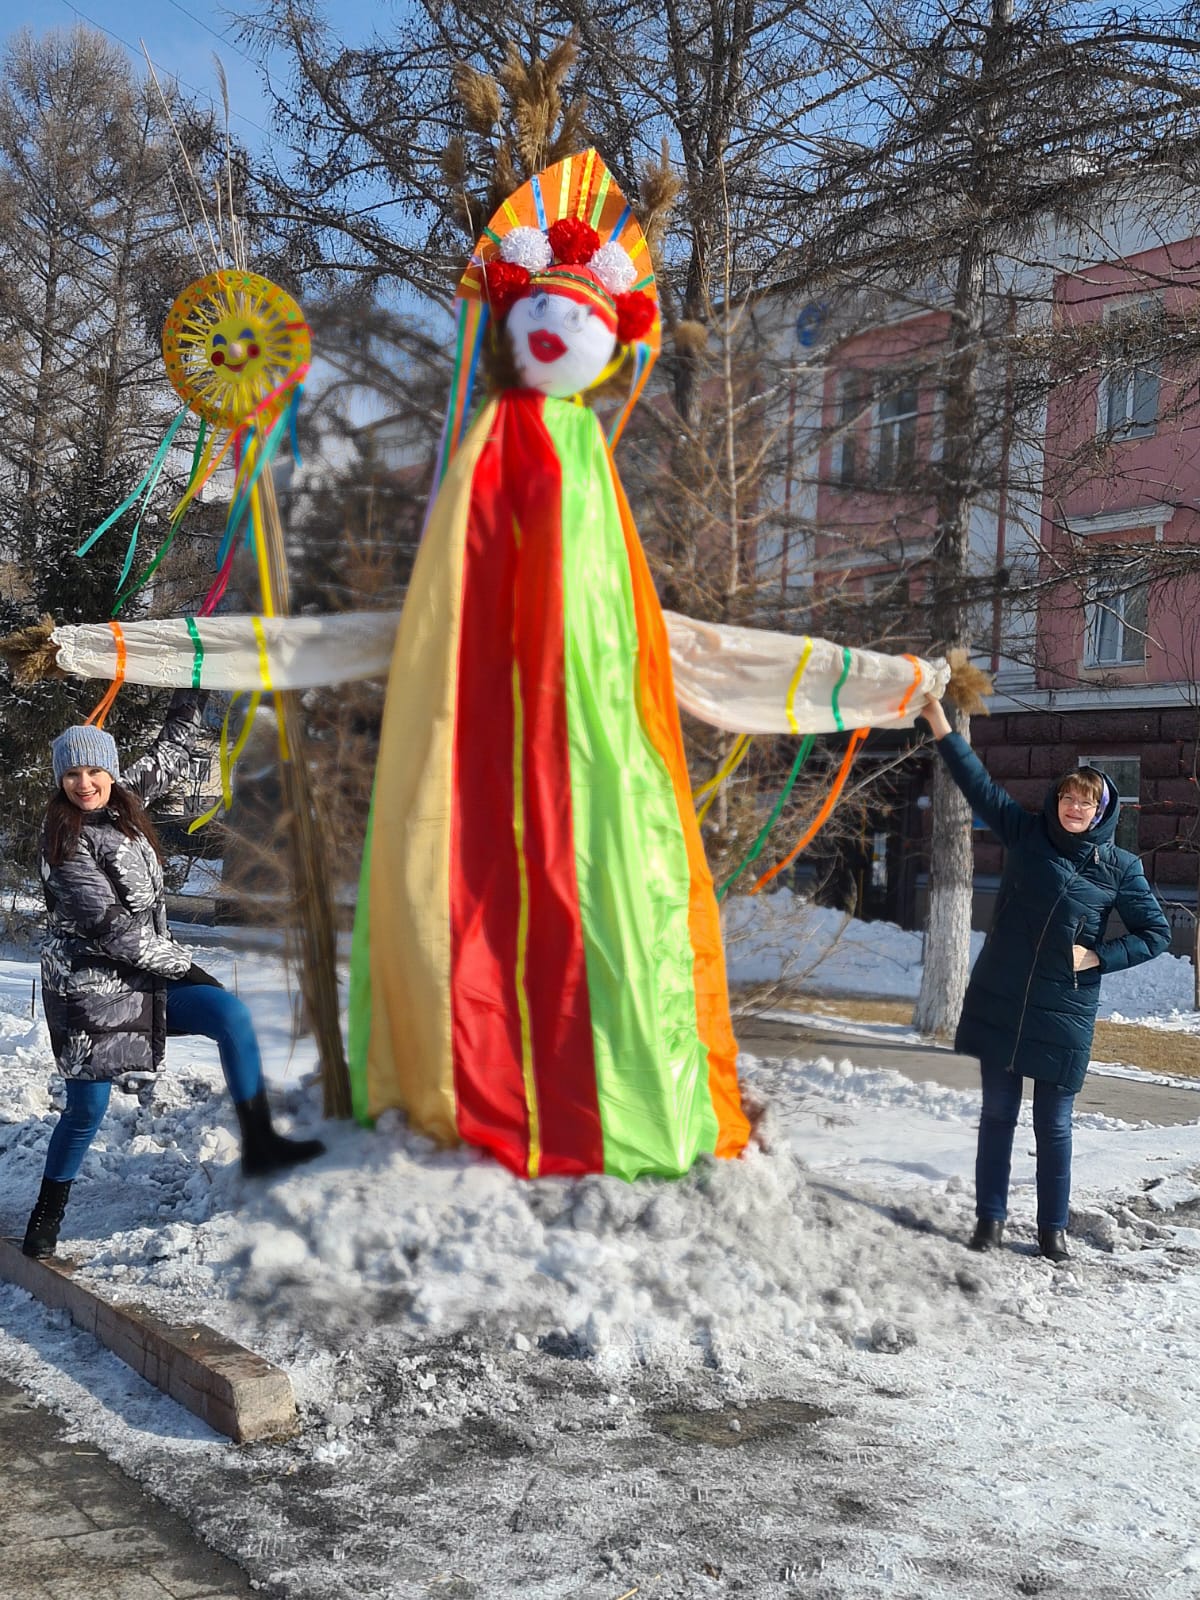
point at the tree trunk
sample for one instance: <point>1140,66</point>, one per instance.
<point>951,866</point>
<point>948,926</point>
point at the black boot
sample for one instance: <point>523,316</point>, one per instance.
<point>264,1150</point>
<point>988,1235</point>
<point>45,1219</point>
<point>1052,1243</point>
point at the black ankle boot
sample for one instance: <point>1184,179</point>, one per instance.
<point>1052,1243</point>
<point>45,1219</point>
<point>264,1150</point>
<point>988,1235</point>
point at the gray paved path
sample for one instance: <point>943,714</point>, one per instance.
<point>74,1527</point>
<point>1130,1099</point>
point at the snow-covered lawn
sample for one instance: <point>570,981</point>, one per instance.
<point>781,938</point>
<point>780,1376</point>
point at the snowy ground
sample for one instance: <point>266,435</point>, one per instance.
<point>781,1376</point>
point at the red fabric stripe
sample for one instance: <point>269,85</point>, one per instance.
<point>556,971</point>
<point>484,889</point>
<point>517,480</point>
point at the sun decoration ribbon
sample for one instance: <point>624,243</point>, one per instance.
<point>237,350</point>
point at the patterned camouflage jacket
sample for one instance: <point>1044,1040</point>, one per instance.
<point>108,954</point>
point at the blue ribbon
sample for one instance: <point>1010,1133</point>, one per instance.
<point>241,505</point>
<point>146,486</point>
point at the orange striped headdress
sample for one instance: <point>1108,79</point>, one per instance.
<point>570,218</point>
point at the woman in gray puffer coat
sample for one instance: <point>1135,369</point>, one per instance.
<point>115,983</point>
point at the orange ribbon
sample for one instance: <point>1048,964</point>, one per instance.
<point>110,694</point>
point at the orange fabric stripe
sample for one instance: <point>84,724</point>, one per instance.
<point>912,688</point>
<point>660,721</point>
<point>105,704</point>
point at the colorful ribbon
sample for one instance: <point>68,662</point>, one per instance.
<point>145,488</point>
<point>105,704</point>
<point>822,816</point>
<point>756,848</point>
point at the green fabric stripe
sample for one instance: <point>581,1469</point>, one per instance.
<point>599,205</point>
<point>197,651</point>
<point>630,856</point>
<point>359,1023</point>
<point>837,688</point>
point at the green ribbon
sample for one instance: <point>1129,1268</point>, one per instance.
<point>169,540</point>
<point>837,688</point>
<point>198,651</point>
<point>146,487</point>
<point>802,755</point>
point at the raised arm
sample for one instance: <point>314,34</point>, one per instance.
<point>165,765</point>
<point>1009,821</point>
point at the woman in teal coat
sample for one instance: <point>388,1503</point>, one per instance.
<point>1030,1007</point>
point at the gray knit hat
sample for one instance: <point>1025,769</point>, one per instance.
<point>85,747</point>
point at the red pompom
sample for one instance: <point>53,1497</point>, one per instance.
<point>573,241</point>
<point>504,284</point>
<point>635,313</point>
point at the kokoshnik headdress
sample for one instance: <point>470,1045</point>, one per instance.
<point>569,230</point>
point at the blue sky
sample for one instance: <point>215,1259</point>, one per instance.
<point>182,37</point>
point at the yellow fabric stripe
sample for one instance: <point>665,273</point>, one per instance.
<point>410,1060</point>
<point>638,246</point>
<point>509,211</point>
<point>585,187</point>
<point>795,684</point>
<point>531,1103</point>
<point>264,660</point>
<point>564,189</point>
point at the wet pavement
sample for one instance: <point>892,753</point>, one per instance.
<point>74,1527</point>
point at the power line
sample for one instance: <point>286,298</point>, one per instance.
<point>134,51</point>
<point>222,37</point>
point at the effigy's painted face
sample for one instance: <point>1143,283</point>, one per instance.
<point>560,347</point>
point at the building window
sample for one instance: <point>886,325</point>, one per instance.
<point>896,431</point>
<point>1129,388</point>
<point>1116,632</point>
<point>854,393</point>
<point>1125,775</point>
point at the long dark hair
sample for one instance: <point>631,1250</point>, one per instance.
<point>64,820</point>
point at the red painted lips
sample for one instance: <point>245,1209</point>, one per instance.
<point>544,346</point>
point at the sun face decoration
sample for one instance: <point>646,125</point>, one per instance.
<point>230,341</point>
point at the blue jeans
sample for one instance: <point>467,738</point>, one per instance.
<point>191,1008</point>
<point>1052,1134</point>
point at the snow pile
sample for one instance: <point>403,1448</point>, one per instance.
<point>557,1387</point>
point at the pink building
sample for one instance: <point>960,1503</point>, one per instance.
<point>1105,671</point>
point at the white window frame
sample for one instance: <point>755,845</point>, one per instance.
<point>891,387</point>
<point>1131,799</point>
<point>1123,380</point>
<point>853,391</point>
<point>1109,609</point>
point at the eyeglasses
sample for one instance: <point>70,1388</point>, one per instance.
<point>1076,804</point>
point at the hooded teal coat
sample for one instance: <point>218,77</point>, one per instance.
<point>1026,1007</point>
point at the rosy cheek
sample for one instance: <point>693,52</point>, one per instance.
<point>218,360</point>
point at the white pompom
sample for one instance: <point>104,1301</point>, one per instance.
<point>613,267</point>
<point>528,248</point>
